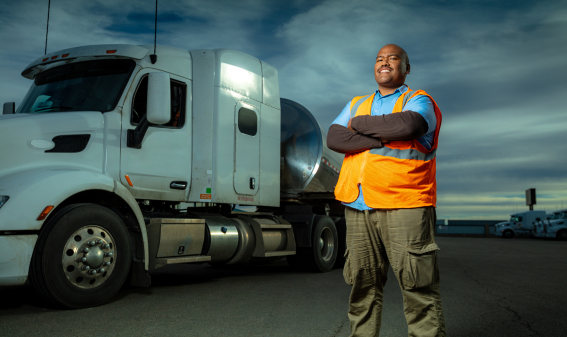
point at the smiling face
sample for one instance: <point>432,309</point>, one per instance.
<point>391,68</point>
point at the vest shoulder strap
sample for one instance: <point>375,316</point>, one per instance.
<point>407,97</point>
<point>355,103</point>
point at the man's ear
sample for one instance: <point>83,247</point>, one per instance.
<point>408,67</point>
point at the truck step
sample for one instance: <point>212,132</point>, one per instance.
<point>183,259</point>
<point>280,253</point>
<point>275,226</point>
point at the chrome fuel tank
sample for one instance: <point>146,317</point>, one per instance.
<point>307,164</point>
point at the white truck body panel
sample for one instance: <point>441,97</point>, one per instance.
<point>15,257</point>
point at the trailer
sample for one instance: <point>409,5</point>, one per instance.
<point>110,140</point>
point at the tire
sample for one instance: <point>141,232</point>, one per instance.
<point>57,271</point>
<point>322,254</point>
<point>508,234</point>
<point>562,235</point>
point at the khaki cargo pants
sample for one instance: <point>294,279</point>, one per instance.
<point>404,239</point>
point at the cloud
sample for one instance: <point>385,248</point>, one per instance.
<point>495,69</point>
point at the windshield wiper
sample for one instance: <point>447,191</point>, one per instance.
<point>55,107</point>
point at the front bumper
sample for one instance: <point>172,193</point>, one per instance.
<point>15,256</point>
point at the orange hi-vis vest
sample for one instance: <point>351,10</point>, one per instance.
<point>399,175</point>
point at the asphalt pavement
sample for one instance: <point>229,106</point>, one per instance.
<point>489,287</point>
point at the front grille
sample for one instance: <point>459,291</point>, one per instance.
<point>70,143</point>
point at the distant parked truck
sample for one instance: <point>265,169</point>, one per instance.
<point>521,224</point>
<point>555,227</point>
<point>540,227</point>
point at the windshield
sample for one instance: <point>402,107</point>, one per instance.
<point>81,86</point>
<point>555,216</point>
<point>516,219</point>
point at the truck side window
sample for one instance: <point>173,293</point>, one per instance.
<point>247,122</point>
<point>178,97</point>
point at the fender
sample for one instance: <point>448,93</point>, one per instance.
<point>33,190</point>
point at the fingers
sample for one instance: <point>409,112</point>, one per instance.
<point>349,126</point>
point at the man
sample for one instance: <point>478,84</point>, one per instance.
<point>387,182</point>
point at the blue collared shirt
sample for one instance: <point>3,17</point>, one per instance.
<point>383,105</point>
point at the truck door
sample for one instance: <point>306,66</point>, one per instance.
<point>247,150</point>
<point>161,169</point>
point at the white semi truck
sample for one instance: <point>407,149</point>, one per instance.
<point>540,226</point>
<point>110,139</point>
<point>555,227</point>
<point>521,224</point>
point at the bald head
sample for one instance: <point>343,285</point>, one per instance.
<point>391,68</point>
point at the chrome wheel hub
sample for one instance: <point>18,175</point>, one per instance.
<point>326,244</point>
<point>88,257</point>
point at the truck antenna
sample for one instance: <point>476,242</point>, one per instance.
<point>153,57</point>
<point>47,30</point>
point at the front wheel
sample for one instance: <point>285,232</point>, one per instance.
<point>508,234</point>
<point>82,256</point>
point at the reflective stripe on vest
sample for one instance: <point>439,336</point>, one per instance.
<point>357,104</point>
<point>404,154</point>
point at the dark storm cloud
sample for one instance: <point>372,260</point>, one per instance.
<point>496,69</point>
<point>144,23</point>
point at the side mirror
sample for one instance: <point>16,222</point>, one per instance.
<point>9,108</point>
<point>159,98</point>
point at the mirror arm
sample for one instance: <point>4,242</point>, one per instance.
<point>136,136</point>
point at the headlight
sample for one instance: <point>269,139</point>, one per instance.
<point>3,199</point>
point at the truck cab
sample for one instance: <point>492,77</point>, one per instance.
<point>556,227</point>
<point>521,224</point>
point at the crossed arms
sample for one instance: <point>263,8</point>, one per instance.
<point>367,132</point>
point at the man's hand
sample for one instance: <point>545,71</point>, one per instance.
<point>349,126</point>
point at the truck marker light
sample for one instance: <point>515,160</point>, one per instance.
<point>129,181</point>
<point>45,59</point>
<point>54,57</point>
<point>111,51</point>
<point>64,55</point>
<point>45,212</point>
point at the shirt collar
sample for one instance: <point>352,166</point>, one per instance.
<point>401,90</point>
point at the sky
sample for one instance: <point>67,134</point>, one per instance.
<point>497,70</point>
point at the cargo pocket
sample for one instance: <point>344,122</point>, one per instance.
<point>347,271</point>
<point>420,267</point>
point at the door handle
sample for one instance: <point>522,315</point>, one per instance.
<point>178,185</point>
